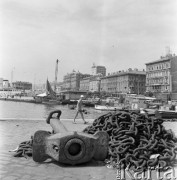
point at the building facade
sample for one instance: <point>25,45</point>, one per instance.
<point>84,84</point>
<point>91,84</point>
<point>161,75</point>
<point>94,84</point>
<point>98,70</point>
<point>1,83</point>
<point>71,81</point>
<point>19,85</point>
<point>6,84</point>
<point>130,81</point>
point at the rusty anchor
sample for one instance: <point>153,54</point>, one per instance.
<point>68,147</point>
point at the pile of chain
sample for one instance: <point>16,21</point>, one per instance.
<point>135,138</point>
<point>24,149</point>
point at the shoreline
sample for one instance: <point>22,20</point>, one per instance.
<point>19,100</point>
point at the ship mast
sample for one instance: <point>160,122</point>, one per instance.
<point>56,73</point>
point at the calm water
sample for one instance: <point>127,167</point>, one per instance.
<point>10,109</point>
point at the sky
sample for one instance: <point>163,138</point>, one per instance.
<point>117,34</point>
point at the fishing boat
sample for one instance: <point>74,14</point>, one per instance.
<point>107,108</point>
<point>48,97</point>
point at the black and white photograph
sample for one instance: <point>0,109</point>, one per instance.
<point>88,89</point>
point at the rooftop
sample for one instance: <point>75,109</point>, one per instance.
<point>162,59</point>
<point>128,72</point>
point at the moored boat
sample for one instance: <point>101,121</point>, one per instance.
<point>107,108</point>
<point>88,103</point>
<point>167,114</point>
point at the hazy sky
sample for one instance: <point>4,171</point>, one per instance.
<point>117,34</point>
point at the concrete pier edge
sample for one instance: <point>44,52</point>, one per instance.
<point>36,119</point>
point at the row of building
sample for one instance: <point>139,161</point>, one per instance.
<point>160,76</point>
<point>129,81</point>
<point>18,85</point>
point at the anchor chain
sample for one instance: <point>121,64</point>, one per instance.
<point>24,149</point>
<point>134,138</point>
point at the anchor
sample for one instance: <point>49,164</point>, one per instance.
<point>68,147</point>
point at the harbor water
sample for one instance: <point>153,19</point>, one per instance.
<point>23,110</point>
<point>10,109</point>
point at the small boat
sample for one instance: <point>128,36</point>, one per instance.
<point>91,102</point>
<point>68,101</point>
<point>48,97</point>
<point>107,108</point>
<point>88,103</point>
<point>166,114</point>
<point>148,111</point>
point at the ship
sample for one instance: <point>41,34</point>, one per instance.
<point>49,96</point>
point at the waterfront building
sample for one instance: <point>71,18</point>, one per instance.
<point>91,84</point>
<point>161,75</point>
<point>130,81</point>
<point>98,70</point>
<point>19,85</point>
<point>1,83</point>
<point>94,84</point>
<point>71,81</point>
<point>84,84</point>
<point>6,84</point>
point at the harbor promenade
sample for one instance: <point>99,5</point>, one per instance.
<point>13,132</point>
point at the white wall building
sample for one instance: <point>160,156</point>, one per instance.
<point>98,70</point>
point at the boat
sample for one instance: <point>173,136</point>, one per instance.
<point>107,108</point>
<point>148,111</point>
<point>68,101</point>
<point>166,114</point>
<point>91,102</point>
<point>88,103</point>
<point>48,97</point>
